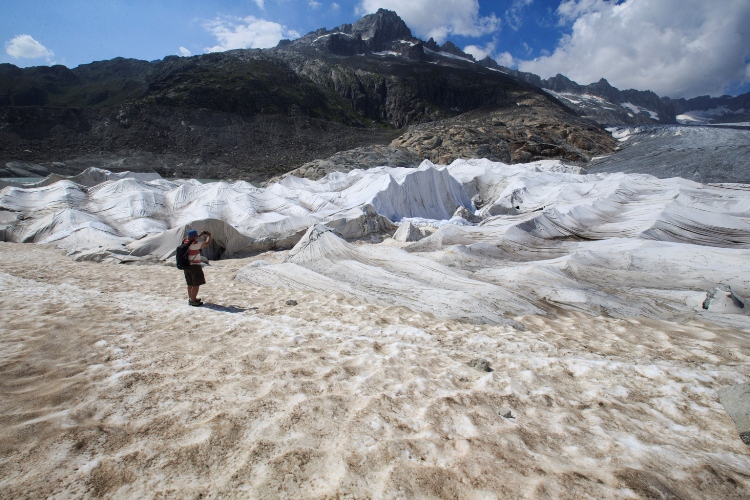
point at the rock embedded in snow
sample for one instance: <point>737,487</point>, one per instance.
<point>291,302</point>
<point>408,232</point>
<point>480,364</point>
<point>259,263</point>
<point>736,401</point>
<point>466,214</point>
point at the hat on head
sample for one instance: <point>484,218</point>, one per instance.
<point>192,233</point>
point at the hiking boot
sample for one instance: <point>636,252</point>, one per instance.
<point>195,303</point>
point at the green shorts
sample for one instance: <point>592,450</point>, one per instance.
<point>194,275</point>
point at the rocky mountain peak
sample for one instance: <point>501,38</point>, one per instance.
<point>561,83</point>
<point>489,62</point>
<point>376,32</point>
<point>381,29</point>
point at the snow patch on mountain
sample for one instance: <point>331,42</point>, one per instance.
<point>700,117</point>
<point>448,55</point>
<point>639,109</point>
<point>583,99</point>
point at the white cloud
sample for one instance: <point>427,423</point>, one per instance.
<point>246,33</point>
<point>185,52</point>
<point>335,6</point>
<point>313,4</point>
<point>678,48</point>
<point>505,59</point>
<point>24,46</point>
<point>437,18</point>
<point>513,14</point>
<point>479,53</point>
<point>261,4</point>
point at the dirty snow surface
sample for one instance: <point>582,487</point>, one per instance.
<point>707,154</point>
<point>540,333</point>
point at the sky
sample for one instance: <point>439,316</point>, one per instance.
<point>677,48</point>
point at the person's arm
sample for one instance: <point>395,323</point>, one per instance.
<point>208,239</point>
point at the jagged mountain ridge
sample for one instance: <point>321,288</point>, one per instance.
<point>632,106</point>
<point>371,78</point>
<point>313,76</point>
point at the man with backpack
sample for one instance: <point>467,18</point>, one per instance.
<point>189,260</point>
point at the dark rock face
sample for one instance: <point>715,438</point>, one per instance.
<point>175,142</point>
<point>402,92</point>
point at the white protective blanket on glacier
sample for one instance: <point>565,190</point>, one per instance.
<point>620,244</point>
<point>128,210</point>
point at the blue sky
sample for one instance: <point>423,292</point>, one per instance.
<point>680,48</point>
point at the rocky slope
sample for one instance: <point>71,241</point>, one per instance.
<point>253,114</point>
<point>527,131</point>
<point>172,141</point>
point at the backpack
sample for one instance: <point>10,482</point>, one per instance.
<point>182,255</point>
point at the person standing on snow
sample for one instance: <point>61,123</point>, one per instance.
<point>194,272</point>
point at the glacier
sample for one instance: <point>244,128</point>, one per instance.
<point>550,236</point>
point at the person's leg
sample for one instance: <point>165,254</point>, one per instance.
<point>195,292</point>
<point>190,292</point>
<point>200,279</point>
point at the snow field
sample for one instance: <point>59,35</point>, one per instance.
<point>342,397</point>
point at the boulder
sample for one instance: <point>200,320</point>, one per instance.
<point>408,232</point>
<point>481,364</point>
